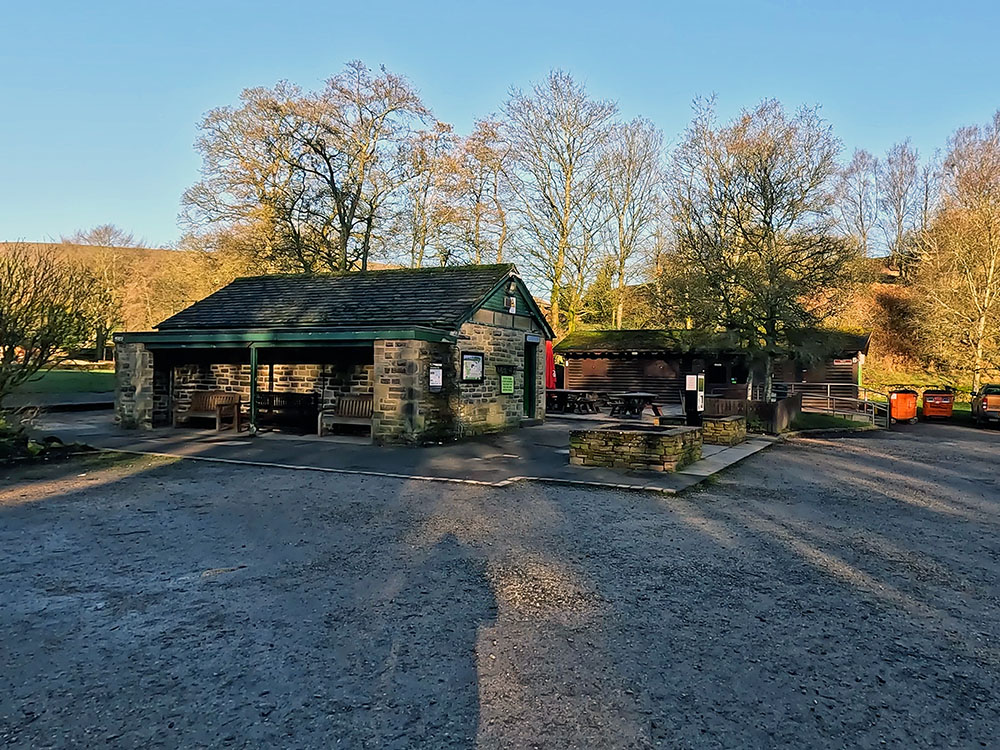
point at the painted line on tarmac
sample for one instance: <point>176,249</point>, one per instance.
<point>391,475</point>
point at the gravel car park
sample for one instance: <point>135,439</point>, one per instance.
<point>826,593</point>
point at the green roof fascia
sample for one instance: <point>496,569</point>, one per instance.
<point>277,338</point>
<point>535,309</point>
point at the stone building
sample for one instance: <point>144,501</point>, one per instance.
<point>442,353</point>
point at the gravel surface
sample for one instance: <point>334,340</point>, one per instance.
<point>826,593</point>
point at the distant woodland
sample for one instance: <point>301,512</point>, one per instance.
<point>759,225</point>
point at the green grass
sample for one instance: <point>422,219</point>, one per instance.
<point>70,381</point>
<point>810,421</point>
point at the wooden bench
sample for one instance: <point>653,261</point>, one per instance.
<point>617,406</point>
<point>282,408</point>
<point>217,405</point>
<point>353,410</point>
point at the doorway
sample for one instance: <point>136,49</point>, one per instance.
<point>530,372</point>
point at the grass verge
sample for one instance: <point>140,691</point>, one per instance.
<point>70,381</point>
<point>810,421</point>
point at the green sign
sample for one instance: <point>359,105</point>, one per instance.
<point>506,384</point>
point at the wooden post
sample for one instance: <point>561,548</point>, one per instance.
<point>253,389</point>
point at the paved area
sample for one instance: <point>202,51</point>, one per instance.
<point>824,594</point>
<point>533,453</point>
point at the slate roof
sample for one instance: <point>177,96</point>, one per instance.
<point>812,342</point>
<point>397,298</point>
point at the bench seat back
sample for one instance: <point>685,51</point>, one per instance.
<point>286,400</point>
<point>210,400</point>
<point>357,407</point>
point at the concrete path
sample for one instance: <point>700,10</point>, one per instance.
<point>532,453</point>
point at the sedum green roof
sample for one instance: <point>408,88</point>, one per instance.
<point>811,342</point>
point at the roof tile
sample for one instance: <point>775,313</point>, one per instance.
<point>432,297</point>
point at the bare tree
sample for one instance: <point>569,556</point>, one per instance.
<point>899,202</point>
<point>633,176</point>
<point>477,189</point>
<point>858,199</point>
<point>556,134</point>
<point>754,216</point>
<point>104,235</point>
<point>426,211</point>
<point>959,276</point>
<point>314,172</point>
<point>929,189</point>
<point>45,310</point>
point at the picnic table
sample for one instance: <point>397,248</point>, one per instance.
<point>563,400</point>
<point>633,403</point>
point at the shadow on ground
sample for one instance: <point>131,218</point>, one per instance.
<point>829,593</point>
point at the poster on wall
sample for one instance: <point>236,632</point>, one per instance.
<point>473,366</point>
<point>506,384</point>
<point>436,376</point>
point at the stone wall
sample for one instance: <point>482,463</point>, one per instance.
<point>330,380</point>
<point>643,450</point>
<point>482,407</point>
<point>405,410</point>
<point>724,430</point>
<point>133,386</point>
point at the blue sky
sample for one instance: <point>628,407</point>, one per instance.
<point>101,100</point>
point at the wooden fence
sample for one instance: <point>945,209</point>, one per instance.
<point>776,416</point>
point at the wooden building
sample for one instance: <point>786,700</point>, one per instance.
<point>656,361</point>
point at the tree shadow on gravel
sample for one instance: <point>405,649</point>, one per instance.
<point>415,655</point>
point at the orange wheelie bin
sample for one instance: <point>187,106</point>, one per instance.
<point>938,403</point>
<point>903,406</point>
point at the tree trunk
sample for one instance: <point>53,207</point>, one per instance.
<point>977,375</point>
<point>620,301</point>
<point>554,306</point>
<point>100,342</point>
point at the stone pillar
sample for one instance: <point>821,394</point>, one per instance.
<point>404,408</point>
<point>134,391</point>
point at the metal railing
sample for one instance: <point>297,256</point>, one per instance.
<point>841,400</point>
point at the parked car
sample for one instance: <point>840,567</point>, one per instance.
<point>986,404</point>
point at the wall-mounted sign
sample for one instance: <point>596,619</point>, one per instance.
<point>473,366</point>
<point>844,361</point>
<point>436,376</point>
<point>506,384</point>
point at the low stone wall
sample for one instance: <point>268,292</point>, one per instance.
<point>724,430</point>
<point>644,450</point>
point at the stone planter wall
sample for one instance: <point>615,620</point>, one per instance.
<point>724,430</point>
<point>643,450</point>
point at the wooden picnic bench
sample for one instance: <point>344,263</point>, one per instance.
<point>633,403</point>
<point>354,409</point>
<point>287,408</point>
<point>217,405</point>
<point>569,400</point>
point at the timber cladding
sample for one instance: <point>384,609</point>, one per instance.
<point>620,375</point>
